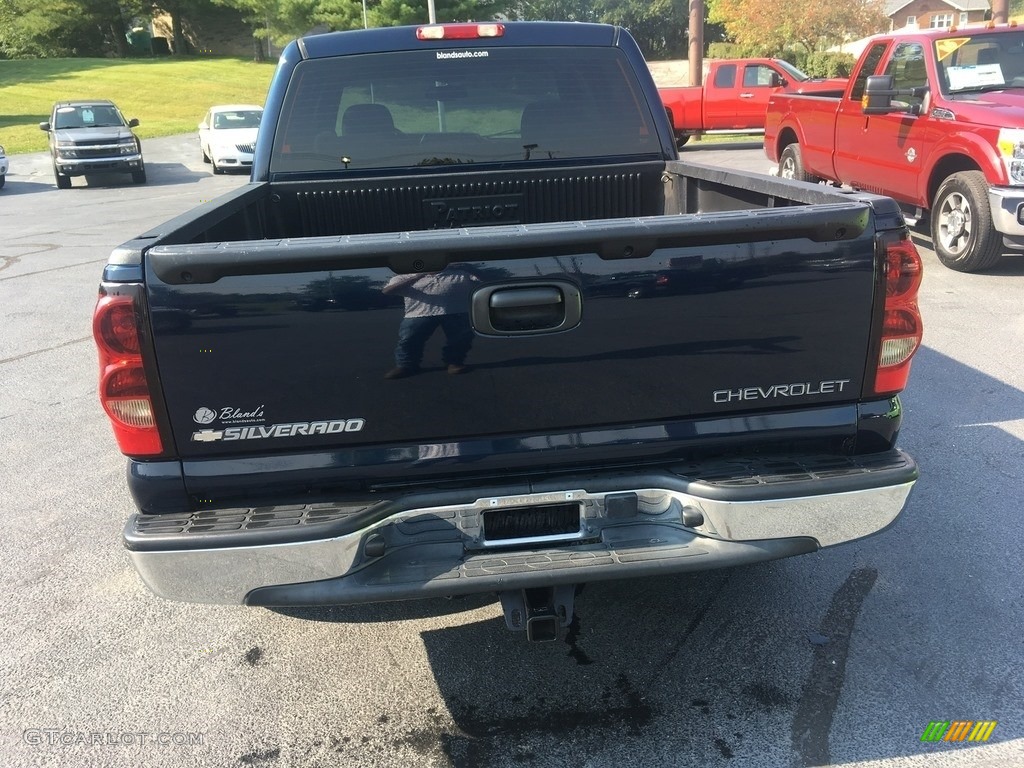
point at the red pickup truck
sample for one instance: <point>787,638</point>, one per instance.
<point>932,119</point>
<point>735,95</point>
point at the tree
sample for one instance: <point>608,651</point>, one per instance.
<point>559,10</point>
<point>815,25</point>
<point>660,27</point>
<point>178,10</point>
<point>393,13</point>
<point>277,20</point>
<point>49,28</point>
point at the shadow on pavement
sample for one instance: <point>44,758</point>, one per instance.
<point>157,174</point>
<point>751,663</point>
<point>17,187</point>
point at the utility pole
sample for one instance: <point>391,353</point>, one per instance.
<point>696,36</point>
<point>1000,11</point>
<point>431,14</point>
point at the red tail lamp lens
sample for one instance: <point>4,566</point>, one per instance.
<point>114,325</point>
<point>902,327</point>
<point>124,390</point>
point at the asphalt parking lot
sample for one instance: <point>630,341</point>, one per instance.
<point>842,657</point>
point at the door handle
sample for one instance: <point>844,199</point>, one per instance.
<point>525,297</point>
<point>519,309</point>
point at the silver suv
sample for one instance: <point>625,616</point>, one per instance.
<point>92,137</point>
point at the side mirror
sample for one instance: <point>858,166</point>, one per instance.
<point>775,80</point>
<point>44,127</point>
<point>879,94</point>
<point>133,122</point>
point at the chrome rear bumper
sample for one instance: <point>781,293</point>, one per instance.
<point>401,549</point>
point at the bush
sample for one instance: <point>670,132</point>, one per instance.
<point>824,64</point>
<point>817,64</point>
<point>724,51</point>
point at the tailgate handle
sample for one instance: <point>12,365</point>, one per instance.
<point>516,310</point>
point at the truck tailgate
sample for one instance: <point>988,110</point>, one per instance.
<point>287,345</point>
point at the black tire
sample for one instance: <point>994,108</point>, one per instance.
<point>139,176</point>
<point>216,168</point>
<point>206,157</point>
<point>63,182</point>
<point>791,165</point>
<point>681,139</point>
<point>961,225</point>
<point>3,180</point>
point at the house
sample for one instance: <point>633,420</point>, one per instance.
<point>935,14</point>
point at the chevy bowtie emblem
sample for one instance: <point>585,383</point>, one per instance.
<point>207,436</point>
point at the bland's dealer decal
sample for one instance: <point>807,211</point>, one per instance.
<point>257,431</point>
<point>229,415</point>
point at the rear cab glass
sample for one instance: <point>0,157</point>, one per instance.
<point>434,108</point>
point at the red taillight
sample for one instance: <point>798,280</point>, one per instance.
<point>459,31</point>
<point>124,390</point>
<point>901,323</point>
<point>115,326</point>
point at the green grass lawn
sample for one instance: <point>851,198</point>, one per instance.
<point>168,96</point>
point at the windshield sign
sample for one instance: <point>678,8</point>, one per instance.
<point>981,63</point>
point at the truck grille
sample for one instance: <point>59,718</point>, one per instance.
<point>101,152</point>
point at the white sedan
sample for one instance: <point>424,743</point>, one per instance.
<point>227,136</point>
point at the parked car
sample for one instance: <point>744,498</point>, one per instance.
<point>92,137</point>
<point>227,135</point>
<point>3,167</point>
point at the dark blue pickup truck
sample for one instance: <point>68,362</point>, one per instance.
<point>473,327</point>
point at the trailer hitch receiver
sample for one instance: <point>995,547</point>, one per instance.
<point>540,611</point>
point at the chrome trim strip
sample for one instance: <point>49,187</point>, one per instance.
<point>227,575</point>
<point>87,160</point>
<point>94,147</point>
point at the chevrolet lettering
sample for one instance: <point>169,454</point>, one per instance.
<point>797,389</point>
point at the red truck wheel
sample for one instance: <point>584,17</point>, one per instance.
<point>791,165</point>
<point>962,230</point>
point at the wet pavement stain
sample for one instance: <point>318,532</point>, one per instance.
<point>768,696</point>
<point>571,639</point>
<point>482,738</point>
<point>256,757</point>
<point>724,748</point>
<point>812,720</point>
